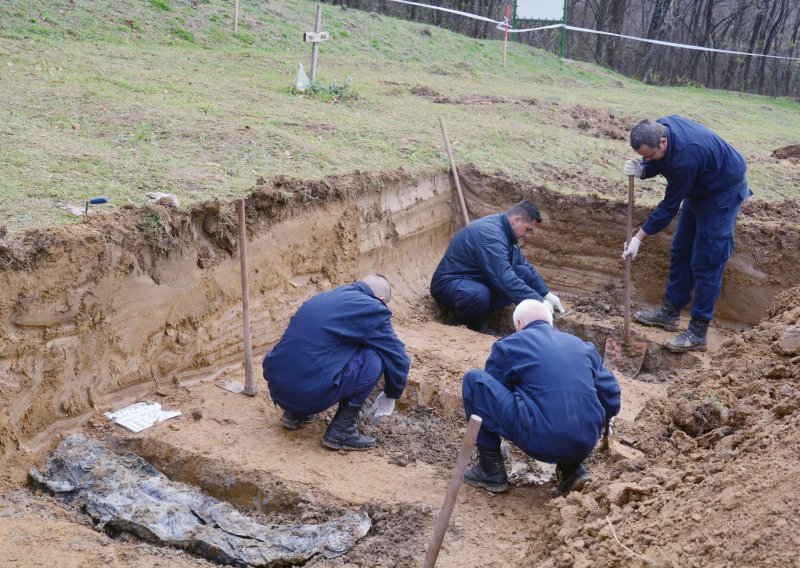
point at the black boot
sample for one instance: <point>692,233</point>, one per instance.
<point>490,472</point>
<point>572,477</point>
<point>342,433</point>
<point>482,326</point>
<point>693,339</point>
<point>293,421</point>
<point>667,316</point>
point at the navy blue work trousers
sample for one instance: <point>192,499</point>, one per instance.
<point>471,300</point>
<point>358,378</point>
<point>488,398</point>
<point>702,244</point>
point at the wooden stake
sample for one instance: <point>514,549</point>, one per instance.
<point>505,35</point>
<point>235,16</point>
<point>250,387</point>
<point>315,45</point>
<point>455,171</point>
<point>452,492</point>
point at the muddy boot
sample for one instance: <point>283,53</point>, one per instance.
<point>482,327</point>
<point>693,339</point>
<point>490,472</point>
<point>667,316</point>
<point>293,421</point>
<point>572,477</point>
<point>342,433</point>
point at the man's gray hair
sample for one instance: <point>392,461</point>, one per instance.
<point>527,209</point>
<point>647,132</point>
<point>380,286</point>
<point>531,310</point>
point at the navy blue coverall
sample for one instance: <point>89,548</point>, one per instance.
<point>336,347</point>
<point>483,268</point>
<point>545,390</point>
<point>708,176</point>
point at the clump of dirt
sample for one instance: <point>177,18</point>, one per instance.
<point>424,91</point>
<point>600,124</point>
<point>719,481</point>
<point>791,153</point>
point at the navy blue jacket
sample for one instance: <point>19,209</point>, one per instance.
<point>698,163</point>
<point>486,251</point>
<point>322,336</point>
<point>564,393</point>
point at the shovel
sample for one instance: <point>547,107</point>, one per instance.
<point>626,358</point>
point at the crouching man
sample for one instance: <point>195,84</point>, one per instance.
<point>335,349</point>
<point>545,390</point>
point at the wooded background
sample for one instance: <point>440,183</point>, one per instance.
<point>752,26</point>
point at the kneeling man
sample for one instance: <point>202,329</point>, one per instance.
<point>545,390</point>
<point>335,350</point>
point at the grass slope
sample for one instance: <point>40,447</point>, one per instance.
<point>121,97</point>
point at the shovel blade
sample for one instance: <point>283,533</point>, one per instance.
<point>624,358</point>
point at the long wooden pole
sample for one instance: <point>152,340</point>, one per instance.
<point>627,292</point>
<point>455,171</point>
<point>452,492</point>
<point>315,45</point>
<point>505,35</point>
<point>235,16</point>
<point>250,387</point>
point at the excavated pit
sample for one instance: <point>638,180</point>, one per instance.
<point>103,313</point>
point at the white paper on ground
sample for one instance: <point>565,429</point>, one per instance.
<point>142,415</point>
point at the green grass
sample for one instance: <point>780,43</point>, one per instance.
<point>127,97</point>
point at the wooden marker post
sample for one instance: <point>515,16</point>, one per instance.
<point>505,34</point>
<point>235,16</point>
<point>315,37</point>
<point>455,171</point>
<point>249,384</point>
<point>452,492</point>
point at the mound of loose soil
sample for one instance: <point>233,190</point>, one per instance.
<point>720,483</point>
<point>791,153</point>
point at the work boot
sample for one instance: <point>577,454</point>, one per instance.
<point>667,316</point>
<point>482,327</point>
<point>693,339</point>
<point>490,472</point>
<point>342,433</point>
<point>293,421</point>
<point>572,477</point>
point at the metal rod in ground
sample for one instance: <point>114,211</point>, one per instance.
<point>452,492</point>
<point>455,171</point>
<point>249,383</point>
<point>627,291</point>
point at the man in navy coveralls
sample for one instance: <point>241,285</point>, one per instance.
<point>335,349</point>
<point>706,180</point>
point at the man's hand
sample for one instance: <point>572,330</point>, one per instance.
<point>610,427</point>
<point>555,303</point>
<point>631,249</point>
<point>383,406</point>
<point>633,168</point>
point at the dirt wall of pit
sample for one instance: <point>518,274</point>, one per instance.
<point>98,313</point>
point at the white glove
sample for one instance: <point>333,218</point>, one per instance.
<point>555,303</point>
<point>383,406</point>
<point>633,168</point>
<point>610,429</point>
<point>631,249</point>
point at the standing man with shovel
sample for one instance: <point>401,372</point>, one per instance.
<point>706,180</point>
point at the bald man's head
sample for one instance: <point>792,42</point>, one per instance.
<point>379,285</point>
<point>528,311</point>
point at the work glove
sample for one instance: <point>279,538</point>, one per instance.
<point>631,249</point>
<point>383,406</point>
<point>610,427</point>
<point>633,168</point>
<point>555,303</point>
